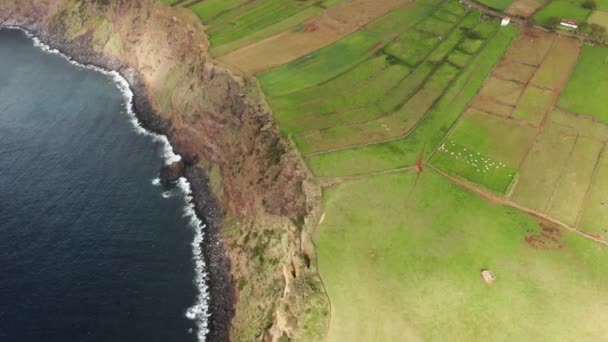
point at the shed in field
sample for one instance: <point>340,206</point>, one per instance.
<point>569,23</point>
<point>488,276</point>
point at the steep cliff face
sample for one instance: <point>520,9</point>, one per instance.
<point>249,182</point>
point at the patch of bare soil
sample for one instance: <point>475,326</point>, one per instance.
<point>550,238</point>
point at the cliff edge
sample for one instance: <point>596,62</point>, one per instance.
<point>259,200</point>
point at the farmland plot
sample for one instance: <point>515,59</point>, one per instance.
<point>399,106</point>
<point>490,142</point>
<point>420,142</point>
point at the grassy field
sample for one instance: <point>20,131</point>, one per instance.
<point>500,5</point>
<point>484,150</point>
<point>435,87</point>
<point>599,18</point>
<point>385,95</point>
<point>400,263</point>
<point>594,215</point>
<point>588,84</point>
<point>429,133</point>
<point>233,24</point>
<point>570,9</point>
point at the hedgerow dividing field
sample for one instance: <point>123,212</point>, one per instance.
<point>431,130</point>
<point>508,116</point>
<point>392,101</point>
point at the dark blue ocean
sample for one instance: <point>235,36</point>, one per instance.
<point>90,250</point>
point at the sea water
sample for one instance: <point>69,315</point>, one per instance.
<point>92,247</point>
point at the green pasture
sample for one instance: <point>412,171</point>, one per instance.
<point>563,9</point>
<point>382,106</point>
<point>602,5</point>
<point>594,215</point>
<point>208,9</point>
<point>500,5</point>
<point>259,15</point>
<point>539,174</point>
<point>534,104</point>
<point>582,124</point>
<point>428,134</point>
<point>458,160</point>
<point>401,255</point>
<point>555,68</point>
<point>330,62</point>
<point>292,22</point>
<point>587,88</point>
<point>375,87</point>
<point>558,170</point>
<point>599,18</point>
<point>569,194</point>
<point>386,127</point>
<point>320,66</point>
<point>484,150</point>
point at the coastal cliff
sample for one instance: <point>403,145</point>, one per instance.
<point>250,185</point>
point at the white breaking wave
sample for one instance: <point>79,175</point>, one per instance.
<point>156,182</point>
<point>166,194</point>
<point>198,311</point>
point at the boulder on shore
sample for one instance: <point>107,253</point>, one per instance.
<point>172,172</point>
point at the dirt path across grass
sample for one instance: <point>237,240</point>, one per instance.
<point>502,201</point>
<point>328,27</point>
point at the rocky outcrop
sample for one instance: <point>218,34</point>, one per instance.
<point>172,172</point>
<point>248,182</point>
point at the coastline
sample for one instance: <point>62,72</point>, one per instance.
<point>213,281</point>
<point>260,201</point>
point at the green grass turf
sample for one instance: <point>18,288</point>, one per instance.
<point>267,13</point>
<point>320,66</point>
<point>208,9</point>
<point>484,150</point>
<point>594,215</point>
<point>401,255</point>
<point>567,200</point>
<point>494,137</point>
<point>393,125</point>
<point>458,160</point>
<point>586,90</point>
<point>534,104</point>
<point>404,152</point>
<point>599,18</point>
<point>291,22</point>
<point>500,5</point>
<point>336,59</point>
<point>540,173</point>
<point>602,5</point>
<point>562,9</point>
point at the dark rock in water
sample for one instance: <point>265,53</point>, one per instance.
<point>171,173</point>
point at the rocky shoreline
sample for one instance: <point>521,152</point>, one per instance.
<point>260,202</point>
<point>219,282</point>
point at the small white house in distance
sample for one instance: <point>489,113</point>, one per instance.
<point>569,23</point>
<point>505,21</point>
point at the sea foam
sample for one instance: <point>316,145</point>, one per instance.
<point>198,312</point>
